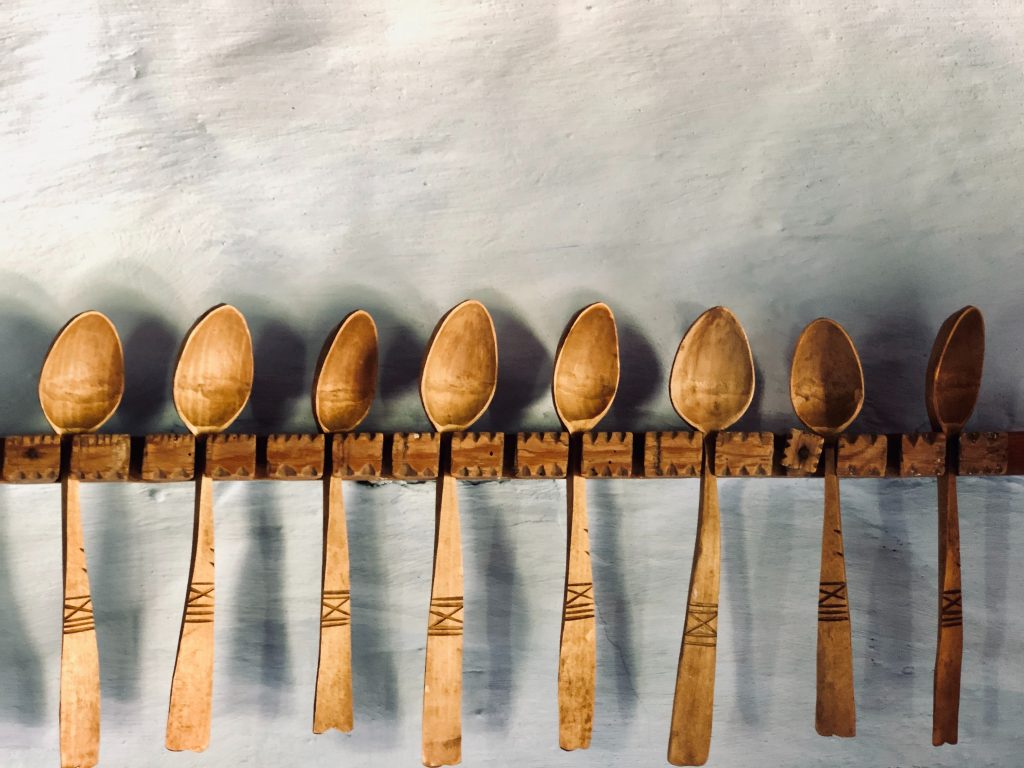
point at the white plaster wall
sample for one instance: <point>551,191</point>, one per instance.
<point>302,159</point>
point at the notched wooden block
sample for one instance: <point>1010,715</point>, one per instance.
<point>923,455</point>
<point>542,454</point>
<point>607,454</point>
<point>101,457</point>
<point>802,453</point>
<point>168,458</point>
<point>414,455</point>
<point>357,455</point>
<point>672,454</point>
<point>295,457</point>
<point>231,456</point>
<point>744,454</point>
<point>862,455</point>
<point>477,454</point>
<point>984,453</point>
<point>31,459</point>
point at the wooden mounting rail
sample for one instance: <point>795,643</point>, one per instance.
<point>412,456</point>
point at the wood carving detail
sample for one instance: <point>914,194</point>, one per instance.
<point>832,601</point>
<point>607,454</point>
<point>445,616</point>
<point>414,455</point>
<point>701,624</point>
<point>952,612</point>
<point>334,610</point>
<point>579,601</point>
<point>542,454</point>
<point>168,458</point>
<point>746,454</point>
<point>477,454</point>
<point>357,456</point>
<point>199,604</point>
<point>101,457</point>
<point>862,455</point>
<point>295,457</point>
<point>672,454</point>
<point>78,616</point>
<point>802,453</point>
<point>231,456</point>
<point>984,453</point>
<point>32,459</point>
<point>923,455</point>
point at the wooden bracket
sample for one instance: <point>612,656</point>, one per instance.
<point>101,457</point>
<point>295,457</point>
<point>802,452</point>
<point>542,454</point>
<point>862,455</point>
<point>358,455</point>
<point>984,453</point>
<point>231,457</point>
<point>168,458</point>
<point>478,455</point>
<point>744,454</point>
<point>607,454</point>
<point>32,459</point>
<point>414,455</point>
<point>672,454</point>
<point>923,455</point>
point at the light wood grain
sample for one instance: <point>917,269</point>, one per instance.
<point>332,703</point>
<point>79,658</point>
<point>949,648</point>
<point>835,712</point>
<point>693,704</point>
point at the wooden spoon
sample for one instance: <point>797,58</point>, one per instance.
<point>79,389</point>
<point>212,382</point>
<point>457,383</point>
<point>343,388</point>
<point>711,386</point>
<point>826,387</point>
<point>951,390</point>
<point>585,380</point>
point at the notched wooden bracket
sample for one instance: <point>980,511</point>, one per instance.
<point>744,454</point>
<point>862,455</point>
<point>32,459</point>
<point>231,456</point>
<point>923,455</point>
<point>478,455</point>
<point>542,454</point>
<point>414,455</point>
<point>101,457</point>
<point>672,454</point>
<point>295,457</point>
<point>357,456</point>
<point>984,453</point>
<point>168,458</point>
<point>607,454</point>
<point>802,453</point>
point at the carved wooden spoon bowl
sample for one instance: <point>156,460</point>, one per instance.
<point>827,391</point>
<point>80,387</point>
<point>951,390</point>
<point>457,383</point>
<point>584,383</point>
<point>212,382</point>
<point>711,387</point>
<point>343,389</point>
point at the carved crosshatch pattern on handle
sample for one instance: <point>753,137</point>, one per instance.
<point>78,616</point>
<point>334,611</point>
<point>579,601</point>
<point>445,616</point>
<point>832,601</point>
<point>952,614</point>
<point>199,606</point>
<point>701,624</point>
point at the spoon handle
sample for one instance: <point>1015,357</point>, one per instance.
<point>577,652</point>
<point>835,712</point>
<point>332,707</point>
<point>188,717</point>
<point>442,679</point>
<point>950,648</point>
<point>79,654</point>
<point>689,741</point>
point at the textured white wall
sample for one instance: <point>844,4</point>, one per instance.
<point>302,159</point>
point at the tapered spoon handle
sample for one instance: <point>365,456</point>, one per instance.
<point>188,717</point>
<point>442,680</point>
<point>950,648</point>
<point>79,654</point>
<point>577,651</point>
<point>835,711</point>
<point>332,707</point>
<point>689,740</point>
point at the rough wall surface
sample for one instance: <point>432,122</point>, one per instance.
<point>301,159</point>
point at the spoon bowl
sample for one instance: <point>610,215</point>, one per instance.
<point>214,372</point>
<point>712,380</point>
<point>586,373</point>
<point>82,379</point>
<point>460,370</point>
<point>954,370</point>
<point>346,374</point>
<point>826,383</point>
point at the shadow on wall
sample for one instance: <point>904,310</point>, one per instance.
<point>26,337</point>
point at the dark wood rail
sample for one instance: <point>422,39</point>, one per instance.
<point>412,456</point>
